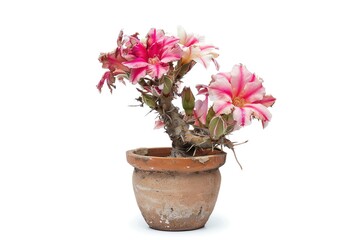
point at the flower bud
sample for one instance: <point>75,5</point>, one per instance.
<point>209,116</point>
<point>188,101</point>
<point>185,68</point>
<point>168,83</point>
<point>149,100</point>
<point>217,127</point>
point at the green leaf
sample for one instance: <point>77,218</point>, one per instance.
<point>149,100</point>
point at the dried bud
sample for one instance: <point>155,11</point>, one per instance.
<point>188,101</point>
<point>149,100</point>
<point>217,127</point>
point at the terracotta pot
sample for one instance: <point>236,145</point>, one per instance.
<point>175,194</point>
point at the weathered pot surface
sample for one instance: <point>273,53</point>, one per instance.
<point>175,194</point>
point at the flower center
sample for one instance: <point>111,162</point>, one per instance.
<point>238,102</point>
<point>153,60</point>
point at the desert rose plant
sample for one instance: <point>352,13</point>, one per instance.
<point>158,63</point>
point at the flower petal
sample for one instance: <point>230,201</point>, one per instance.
<point>253,91</point>
<point>204,60</point>
<point>102,80</point>
<point>242,116</point>
<point>136,74</point>
<point>216,63</point>
<point>220,89</point>
<point>171,54</point>
<point>182,34</point>
<point>169,42</point>
<point>110,81</point>
<point>202,89</point>
<point>239,77</point>
<point>267,101</point>
<point>157,70</point>
<point>260,112</point>
<point>203,56</point>
<point>222,107</point>
<point>119,39</point>
<point>136,63</point>
<point>113,61</point>
<point>154,35</point>
<point>159,124</point>
<point>187,39</point>
<point>208,48</point>
<point>225,75</point>
<point>139,51</point>
<point>201,108</point>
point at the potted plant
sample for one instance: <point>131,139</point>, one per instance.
<point>176,188</point>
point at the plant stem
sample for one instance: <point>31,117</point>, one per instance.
<point>184,141</point>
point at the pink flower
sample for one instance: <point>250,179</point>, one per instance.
<point>159,124</point>
<point>202,89</point>
<point>194,49</point>
<point>114,62</point>
<point>200,112</point>
<point>242,94</point>
<point>153,56</point>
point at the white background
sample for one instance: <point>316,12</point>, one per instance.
<point>63,173</point>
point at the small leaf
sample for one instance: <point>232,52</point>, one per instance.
<point>149,100</point>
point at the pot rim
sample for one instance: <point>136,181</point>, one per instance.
<point>157,159</point>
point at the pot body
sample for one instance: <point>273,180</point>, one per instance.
<point>175,194</point>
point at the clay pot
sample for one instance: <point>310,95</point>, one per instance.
<point>175,194</point>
